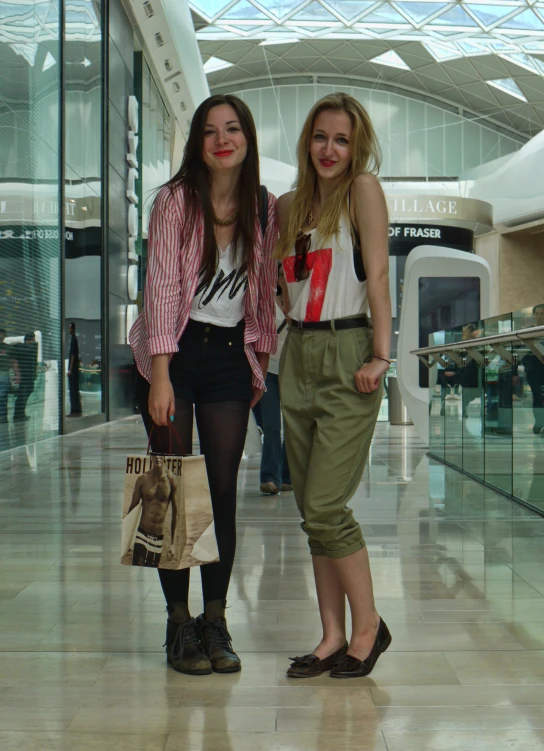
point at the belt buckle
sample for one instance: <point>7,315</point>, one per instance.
<point>299,324</point>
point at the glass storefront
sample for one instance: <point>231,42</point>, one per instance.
<point>64,231</point>
<point>156,140</point>
<point>31,372</point>
<point>486,412</point>
<point>83,249</point>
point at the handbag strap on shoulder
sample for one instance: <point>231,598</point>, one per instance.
<point>263,213</point>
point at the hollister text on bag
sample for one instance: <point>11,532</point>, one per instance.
<point>167,513</point>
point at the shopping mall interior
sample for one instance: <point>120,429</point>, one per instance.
<point>96,101</point>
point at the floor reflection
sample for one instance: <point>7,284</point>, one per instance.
<point>458,577</point>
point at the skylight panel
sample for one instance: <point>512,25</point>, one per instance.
<point>534,47</point>
<point>527,21</point>
<point>468,48</point>
<point>498,46</point>
<point>280,8</point>
<point>437,22</point>
<point>384,14</point>
<point>209,8</point>
<point>314,12</point>
<point>508,86</point>
<point>539,64</point>
<point>418,12</point>
<point>213,64</point>
<point>244,11</point>
<point>392,59</point>
<point>524,61</point>
<point>455,17</point>
<point>350,9</point>
<point>491,14</point>
<point>442,53</point>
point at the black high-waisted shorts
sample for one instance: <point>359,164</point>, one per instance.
<point>211,365</point>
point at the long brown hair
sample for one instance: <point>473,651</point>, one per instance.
<point>366,157</point>
<point>195,178</point>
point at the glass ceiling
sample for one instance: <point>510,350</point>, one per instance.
<point>451,30</point>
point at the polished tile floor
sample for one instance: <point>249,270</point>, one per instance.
<point>459,578</point>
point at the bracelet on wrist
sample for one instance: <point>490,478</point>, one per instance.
<point>383,359</point>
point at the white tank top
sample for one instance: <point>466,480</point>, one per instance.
<point>332,289</point>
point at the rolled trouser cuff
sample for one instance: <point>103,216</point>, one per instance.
<point>318,549</point>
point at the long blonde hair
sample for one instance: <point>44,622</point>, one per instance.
<point>366,157</point>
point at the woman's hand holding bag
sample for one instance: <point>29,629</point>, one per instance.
<point>162,403</point>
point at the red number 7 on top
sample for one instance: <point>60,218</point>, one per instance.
<point>320,265</point>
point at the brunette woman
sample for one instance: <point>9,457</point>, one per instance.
<point>204,339</point>
<point>334,246</point>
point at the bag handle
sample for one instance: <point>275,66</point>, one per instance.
<point>172,431</point>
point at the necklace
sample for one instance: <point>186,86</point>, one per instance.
<point>228,221</point>
<point>310,217</point>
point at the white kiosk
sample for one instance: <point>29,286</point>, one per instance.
<point>441,284</point>
<point>434,275</point>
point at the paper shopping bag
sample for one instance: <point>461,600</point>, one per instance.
<point>167,513</point>
<point>254,444</point>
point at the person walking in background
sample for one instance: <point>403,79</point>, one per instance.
<point>275,476</point>
<point>534,372</point>
<point>27,357</point>
<point>204,339</point>
<point>334,247</point>
<point>73,373</point>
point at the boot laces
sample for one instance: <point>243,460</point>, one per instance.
<point>220,636</point>
<point>186,636</point>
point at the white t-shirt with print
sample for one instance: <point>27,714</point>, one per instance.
<point>222,301</point>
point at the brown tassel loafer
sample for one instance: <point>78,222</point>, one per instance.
<point>350,667</point>
<point>310,666</point>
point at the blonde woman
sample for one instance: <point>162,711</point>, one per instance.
<point>334,251</point>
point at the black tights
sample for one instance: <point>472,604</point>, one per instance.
<point>222,428</point>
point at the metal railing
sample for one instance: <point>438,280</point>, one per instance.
<point>455,351</point>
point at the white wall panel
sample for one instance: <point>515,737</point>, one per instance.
<point>417,139</point>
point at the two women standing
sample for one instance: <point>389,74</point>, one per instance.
<point>209,326</point>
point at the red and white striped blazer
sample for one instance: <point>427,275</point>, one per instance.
<point>174,261</point>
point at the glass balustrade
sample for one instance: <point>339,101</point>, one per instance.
<point>486,402</point>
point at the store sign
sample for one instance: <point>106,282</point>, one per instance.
<point>43,233</point>
<point>409,232</point>
<point>404,237</point>
<point>437,209</point>
<point>133,216</point>
<point>419,205</point>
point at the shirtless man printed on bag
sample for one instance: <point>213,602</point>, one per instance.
<point>157,490</point>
